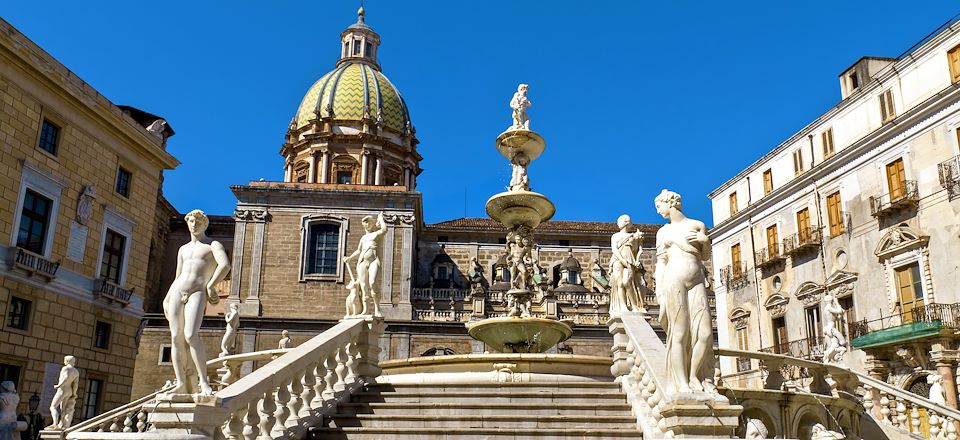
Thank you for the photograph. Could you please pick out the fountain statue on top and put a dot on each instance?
(520, 210)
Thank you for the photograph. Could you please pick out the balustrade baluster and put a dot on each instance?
(320, 386)
(353, 362)
(233, 428)
(914, 419)
(267, 419)
(885, 408)
(128, 422)
(331, 378)
(141, 421)
(296, 401)
(341, 370)
(307, 381)
(902, 415)
(116, 425)
(868, 399)
(951, 429)
(283, 396)
(251, 422)
(934, 422)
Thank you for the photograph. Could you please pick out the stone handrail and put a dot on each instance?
(887, 404)
(132, 417)
(639, 360)
(291, 393)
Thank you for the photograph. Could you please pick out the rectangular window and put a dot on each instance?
(742, 341)
(571, 278)
(780, 338)
(767, 182)
(834, 215)
(166, 355)
(18, 314)
(123, 181)
(112, 263)
(733, 203)
(798, 162)
(814, 326)
(356, 47)
(909, 290)
(772, 240)
(442, 272)
(953, 58)
(34, 220)
(803, 226)
(896, 180)
(91, 403)
(101, 335)
(10, 372)
(826, 138)
(344, 177)
(49, 137)
(323, 248)
(848, 314)
(735, 260)
(887, 110)
(854, 81)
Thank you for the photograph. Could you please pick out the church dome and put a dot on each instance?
(349, 92)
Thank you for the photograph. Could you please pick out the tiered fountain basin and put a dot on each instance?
(497, 367)
(511, 142)
(515, 208)
(520, 335)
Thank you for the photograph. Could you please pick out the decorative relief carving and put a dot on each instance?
(740, 318)
(841, 284)
(396, 219)
(899, 239)
(254, 215)
(776, 305)
(809, 293)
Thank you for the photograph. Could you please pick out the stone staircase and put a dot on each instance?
(490, 410)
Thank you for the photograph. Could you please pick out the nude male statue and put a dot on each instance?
(65, 399)
(201, 264)
(519, 104)
(368, 261)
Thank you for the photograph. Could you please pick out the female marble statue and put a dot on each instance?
(228, 345)
(835, 345)
(682, 246)
(625, 269)
(9, 399)
(820, 432)
(368, 261)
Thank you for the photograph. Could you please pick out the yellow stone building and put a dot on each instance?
(80, 178)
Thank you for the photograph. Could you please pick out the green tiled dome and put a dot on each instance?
(347, 90)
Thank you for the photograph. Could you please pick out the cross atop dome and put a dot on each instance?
(359, 42)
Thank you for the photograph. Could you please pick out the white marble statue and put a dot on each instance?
(820, 432)
(85, 202)
(519, 181)
(625, 269)
(228, 345)
(156, 128)
(10, 428)
(756, 430)
(682, 247)
(201, 264)
(835, 345)
(65, 399)
(936, 389)
(367, 256)
(519, 104)
(285, 340)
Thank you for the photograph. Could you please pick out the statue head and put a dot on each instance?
(934, 379)
(369, 223)
(666, 201)
(818, 428)
(197, 221)
(522, 88)
(70, 360)
(285, 334)
(756, 430)
(623, 221)
(8, 387)
(235, 306)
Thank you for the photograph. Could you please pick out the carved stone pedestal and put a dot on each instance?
(700, 419)
(183, 418)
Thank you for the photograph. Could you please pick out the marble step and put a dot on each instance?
(485, 409)
(468, 433)
(519, 420)
(518, 396)
(498, 387)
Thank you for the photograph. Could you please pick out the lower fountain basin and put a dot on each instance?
(514, 208)
(520, 335)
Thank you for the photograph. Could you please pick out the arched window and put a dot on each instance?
(393, 176)
(345, 170)
(439, 351)
(300, 172)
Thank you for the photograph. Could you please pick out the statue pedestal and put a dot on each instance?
(184, 416)
(699, 418)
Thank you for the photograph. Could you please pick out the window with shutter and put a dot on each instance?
(803, 226)
(887, 110)
(896, 180)
(733, 203)
(953, 58)
(798, 162)
(772, 240)
(834, 215)
(735, 260)
(826, 138)
(767, 182)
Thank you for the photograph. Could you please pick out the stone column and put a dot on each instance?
(876, 369)
(407, 182)
(251, 306)
(325, 167)
(945, 368)
(312, 172)
(288, 172)
(363, 167)
(378, 172)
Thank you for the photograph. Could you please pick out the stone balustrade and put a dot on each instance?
(638, 361)
(901, 410)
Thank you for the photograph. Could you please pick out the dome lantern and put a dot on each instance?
(359, 42)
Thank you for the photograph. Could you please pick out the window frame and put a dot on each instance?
(122, 226)
(37, 181)
(99, 396)
(734, 203)
(96, 335)
(798, 166)
(116, 182)
(28, 315)
(953, 57)
(839, 223)
(305, 223)
(768, 181)
(160, 360)
(888, 108)
(33, 216)
(44, 120)
(826, 140)
(109, 251)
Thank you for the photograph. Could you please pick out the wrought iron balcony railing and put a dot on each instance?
(950, 176)
(33, 264)
(743, 364)
(945, 315)
(904, 196)
(770, 256)
(108, 291)
(807, 240)
(806, 348)
(735, 276)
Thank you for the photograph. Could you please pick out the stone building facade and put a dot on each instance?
(351, 152)
(861, 204)
(79, 183)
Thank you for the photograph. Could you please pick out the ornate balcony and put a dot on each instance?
(431, 293)
(950, 176)
(108, 291)
(33, 264)
(917, 323)
(770, 257)
(807, 240)
(806, 348)
(906, 197)
(743, 364)
(734, 276)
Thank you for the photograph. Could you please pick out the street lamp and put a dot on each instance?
(36, 420)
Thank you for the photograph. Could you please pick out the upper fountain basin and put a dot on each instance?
(515, 208)
(511, 142)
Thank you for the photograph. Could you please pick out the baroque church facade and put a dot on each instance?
(351, 151)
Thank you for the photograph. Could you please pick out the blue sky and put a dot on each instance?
(632, 97)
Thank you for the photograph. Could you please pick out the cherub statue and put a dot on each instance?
(519, 104)
(367, 256)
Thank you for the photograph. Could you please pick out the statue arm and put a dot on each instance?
(179, 262)
(382, 223)
(223, 267)
(615, 245)
(661, 264)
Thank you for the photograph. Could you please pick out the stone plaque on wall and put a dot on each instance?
(77, 244)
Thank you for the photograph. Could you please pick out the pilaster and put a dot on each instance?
(251, 305)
